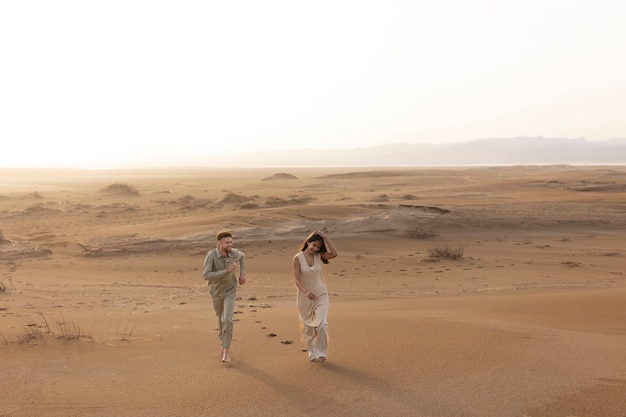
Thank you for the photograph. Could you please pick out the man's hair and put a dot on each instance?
(224, 233)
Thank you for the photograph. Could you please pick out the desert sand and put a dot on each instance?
(104, 312)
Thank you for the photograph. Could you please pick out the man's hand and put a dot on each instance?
(242, 280)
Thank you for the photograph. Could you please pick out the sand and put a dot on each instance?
(104, 312)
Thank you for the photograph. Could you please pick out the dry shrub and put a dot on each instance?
(415, 231)
(446, 252)
(120, 188)
(418, 233)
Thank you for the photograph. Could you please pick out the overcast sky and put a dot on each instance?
(117, 83)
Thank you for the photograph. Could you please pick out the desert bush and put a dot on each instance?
(415, 231)
(120, 188)
(446, 252)
(249, 206)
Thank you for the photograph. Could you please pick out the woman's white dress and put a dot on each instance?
(313, 313)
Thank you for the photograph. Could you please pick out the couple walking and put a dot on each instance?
(312, 296)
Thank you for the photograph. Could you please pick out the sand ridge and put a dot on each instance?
(529, 321)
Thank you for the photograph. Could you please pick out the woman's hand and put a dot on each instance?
(310, 295)
(321, 233)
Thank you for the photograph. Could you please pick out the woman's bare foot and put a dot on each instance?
(225, 356)
(321, 359)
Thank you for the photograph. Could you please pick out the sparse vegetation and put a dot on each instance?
(277, 201)
(35, 194)
(31, 332)
(446, 252)
(35, 330)
(68, 331)
(120, 188)
(6, 288)
(415, 231)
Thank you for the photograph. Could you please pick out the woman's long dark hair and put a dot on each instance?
(315, 238)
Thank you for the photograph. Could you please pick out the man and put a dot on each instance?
(219, 270)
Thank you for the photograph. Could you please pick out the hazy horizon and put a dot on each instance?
(122, 84)
(482, 152)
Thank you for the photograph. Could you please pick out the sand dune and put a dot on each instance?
(103, 310)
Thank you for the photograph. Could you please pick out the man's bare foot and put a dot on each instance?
(321, 359)
(225, 356)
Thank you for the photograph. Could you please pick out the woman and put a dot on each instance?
(312, 293)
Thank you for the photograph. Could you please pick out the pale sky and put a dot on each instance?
(118, 83)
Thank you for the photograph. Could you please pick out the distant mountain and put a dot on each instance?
(509, 151)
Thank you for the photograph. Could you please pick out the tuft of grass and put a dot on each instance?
(127, 330)
(31, 332)
(120, 188)
(68, 331)
(5, 288)
(34, 331)
(446, 252)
